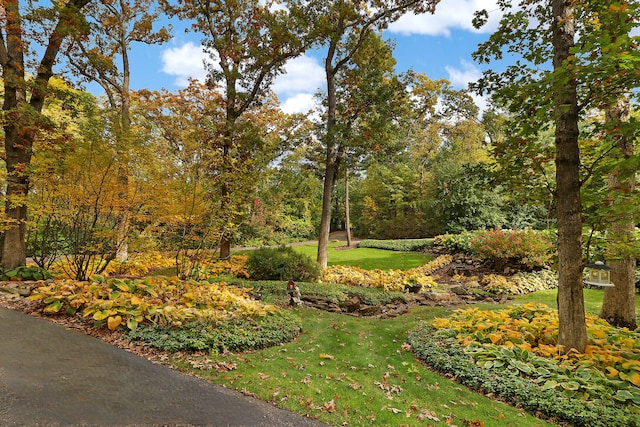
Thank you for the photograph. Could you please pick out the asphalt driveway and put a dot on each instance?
(53, 377)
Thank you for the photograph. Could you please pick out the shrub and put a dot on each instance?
(402, 245)
(456, 243)
(528, 248)
(282, 263)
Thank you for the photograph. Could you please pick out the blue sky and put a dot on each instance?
(438, 45)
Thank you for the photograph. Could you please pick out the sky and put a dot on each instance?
(439, 45)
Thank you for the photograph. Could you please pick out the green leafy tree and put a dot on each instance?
(286, 206)
(342, 28)
(556, 80)
(21, 28)
(248, 43)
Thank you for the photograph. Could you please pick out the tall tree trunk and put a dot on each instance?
(225, 191)
(346, 208)
(20, 132)
(332, 161)
(618, 307)
(124, 145)
(572, 326)
(17, 142)
(325, 221)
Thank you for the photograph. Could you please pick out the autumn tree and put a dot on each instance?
(342, 27)
(24, 96)
(188, 129)
(103, 56)
(248, 43)
(555, 80)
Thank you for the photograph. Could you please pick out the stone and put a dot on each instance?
(350, 305)
(370, 310)
(459, 290)
(440, 296)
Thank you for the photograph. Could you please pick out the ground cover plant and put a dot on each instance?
(275, 292)
(166, 301)
(389, 280)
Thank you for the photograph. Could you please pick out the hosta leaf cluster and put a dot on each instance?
(523, 340)
(520, 283)
(236, 335)
(390, 280)
(159, 300)
(445, 354)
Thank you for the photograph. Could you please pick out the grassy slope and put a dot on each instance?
(350, 371)
(353, 371)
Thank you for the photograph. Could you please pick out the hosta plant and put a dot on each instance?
(523, 340)
(159, 300)
(520, 283)
(389, 280)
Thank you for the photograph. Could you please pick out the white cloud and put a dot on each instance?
(301, 74)
(299, 103)
(449, 15)
(184, 62)
(461, 77)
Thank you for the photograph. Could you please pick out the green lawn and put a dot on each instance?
(353, 371)
(368, 258)
(592, 300)
(345, 370)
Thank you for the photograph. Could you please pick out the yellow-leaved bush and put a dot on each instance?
(142, 263)
(160, 300)
(389, 280)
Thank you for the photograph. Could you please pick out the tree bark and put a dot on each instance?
(618, 307)
(332, 160)
(17, 146)
(20, 130)
(346, 208)
(572, 334)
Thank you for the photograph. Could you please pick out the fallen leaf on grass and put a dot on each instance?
(428, 415)
(327, 356)
(329, 406)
